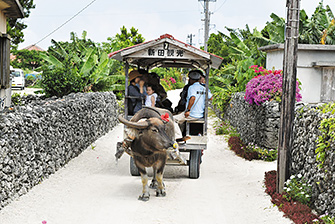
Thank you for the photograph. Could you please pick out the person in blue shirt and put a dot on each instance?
(195, 105)
(183, 97)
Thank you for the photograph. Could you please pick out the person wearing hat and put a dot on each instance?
(135, 92)
(136, 97)
(195, 104)
(183, 95)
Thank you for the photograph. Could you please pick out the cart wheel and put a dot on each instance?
(194, 167)
(133, 168)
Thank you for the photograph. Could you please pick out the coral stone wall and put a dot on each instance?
(306, 133)
(260, 125)
(39, 138)
(256, 124)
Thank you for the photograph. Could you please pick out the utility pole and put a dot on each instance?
(207, 15)
(190, 36)
(288, 98)
(207, 19)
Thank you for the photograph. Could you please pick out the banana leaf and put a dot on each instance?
(88, 62)
(52, 60)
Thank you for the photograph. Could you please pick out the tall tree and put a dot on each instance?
(217, 45)
(317, 29)
(15, 26)
(123, 39)
(119, 41)
(26, 59)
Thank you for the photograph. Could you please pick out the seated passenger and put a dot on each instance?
(162, 101)
(136, 93)
(142, 82)
(183, 97)
(150, 99)
(195, 106)
(154, 81)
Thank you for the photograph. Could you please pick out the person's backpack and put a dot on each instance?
(182, 102)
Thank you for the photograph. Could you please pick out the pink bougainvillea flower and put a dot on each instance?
(44, 222)
(266, 88)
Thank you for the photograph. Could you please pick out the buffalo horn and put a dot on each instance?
(131, 124)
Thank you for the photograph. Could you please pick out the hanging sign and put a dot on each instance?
(164, 50)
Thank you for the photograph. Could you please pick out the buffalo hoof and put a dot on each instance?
(144, 197)
(160, 193)
(154, 184)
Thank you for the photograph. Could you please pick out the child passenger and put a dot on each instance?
(150, 99)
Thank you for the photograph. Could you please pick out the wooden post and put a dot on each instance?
(288, 97)
(126, 71)
(206, 101)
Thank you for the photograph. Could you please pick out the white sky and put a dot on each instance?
(152, 18)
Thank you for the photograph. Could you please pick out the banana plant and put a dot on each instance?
(86, 61)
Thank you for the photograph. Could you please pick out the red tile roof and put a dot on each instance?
(33, 47)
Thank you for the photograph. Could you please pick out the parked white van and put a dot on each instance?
(18, 80)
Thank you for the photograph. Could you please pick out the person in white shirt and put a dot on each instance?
(150, 99)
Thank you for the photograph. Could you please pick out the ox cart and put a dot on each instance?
(165, 52)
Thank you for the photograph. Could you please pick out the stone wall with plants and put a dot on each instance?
(256, 124)
(313, 152)
(313, 155)
(42, 135)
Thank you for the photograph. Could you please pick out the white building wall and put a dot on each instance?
(311, 80)
(274, 60)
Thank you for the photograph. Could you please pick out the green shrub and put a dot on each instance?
(263, 154)
(327, 108)
(224, 128)
(61, 81)
(297, 189)
(326, 140)
(326, 219)
(16, 99)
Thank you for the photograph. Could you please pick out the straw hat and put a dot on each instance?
(134, 74)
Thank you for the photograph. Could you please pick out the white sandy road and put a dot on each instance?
(92, 189)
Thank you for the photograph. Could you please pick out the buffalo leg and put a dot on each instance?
(160, 191)
(154, 184)
(145, 188)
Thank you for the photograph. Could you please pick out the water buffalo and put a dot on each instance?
(150, 139)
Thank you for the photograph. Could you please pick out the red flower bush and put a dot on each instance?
(237, 145)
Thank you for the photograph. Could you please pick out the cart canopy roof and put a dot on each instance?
(166, 51)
